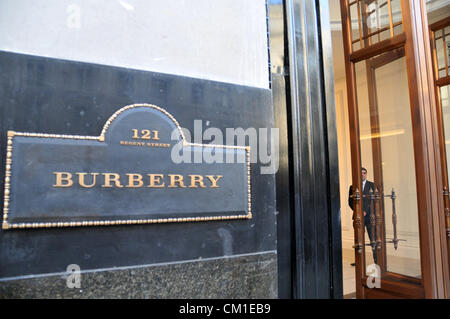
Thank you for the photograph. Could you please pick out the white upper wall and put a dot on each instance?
(220, 40)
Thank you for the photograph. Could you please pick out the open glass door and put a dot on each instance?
(389, 196)
(393, 192)
(390, 207)
(440, 46)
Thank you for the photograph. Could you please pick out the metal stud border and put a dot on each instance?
(101, 138)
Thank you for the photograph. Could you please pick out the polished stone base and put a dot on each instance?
(242, 276)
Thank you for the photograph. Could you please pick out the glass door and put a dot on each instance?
(440, 46)
(389, 194)
(393, 192)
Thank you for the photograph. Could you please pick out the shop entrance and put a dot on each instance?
(390, 161)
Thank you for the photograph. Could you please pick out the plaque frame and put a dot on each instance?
(101, 138)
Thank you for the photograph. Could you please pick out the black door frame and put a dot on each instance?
(308, 203)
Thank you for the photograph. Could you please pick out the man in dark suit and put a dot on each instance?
(368, 189)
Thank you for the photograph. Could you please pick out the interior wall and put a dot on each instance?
(445, 90)
(345, 175)
(343, 132)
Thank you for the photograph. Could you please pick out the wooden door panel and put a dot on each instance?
(438, 41)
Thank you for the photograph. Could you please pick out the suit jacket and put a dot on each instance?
(369, 186)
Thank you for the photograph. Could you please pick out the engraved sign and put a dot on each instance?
(124, 176)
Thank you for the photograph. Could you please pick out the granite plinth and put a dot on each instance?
(244, 276)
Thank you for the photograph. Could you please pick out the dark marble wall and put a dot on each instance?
(46, 95)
